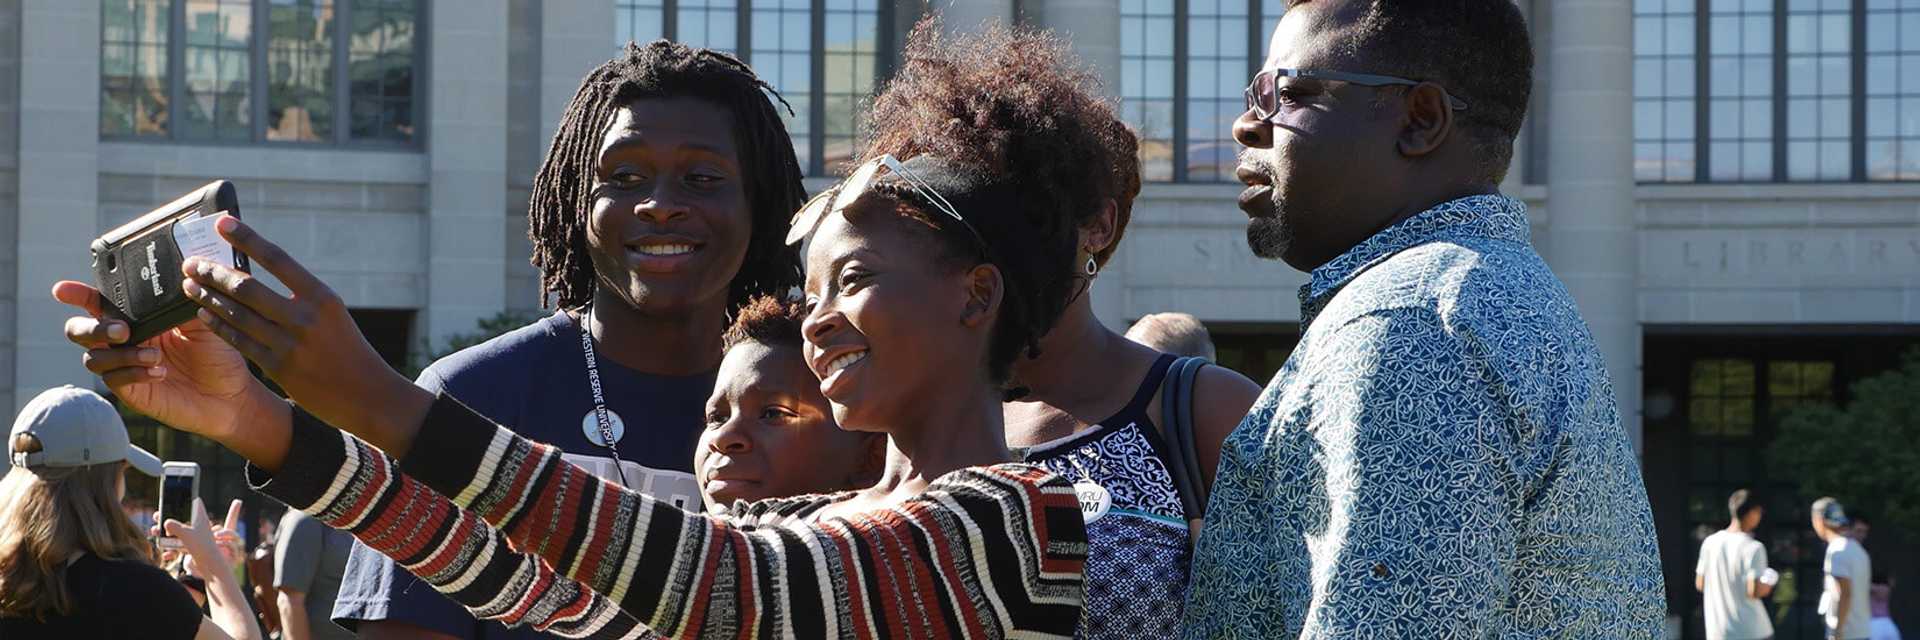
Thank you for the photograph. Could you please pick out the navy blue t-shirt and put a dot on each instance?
(534, 381)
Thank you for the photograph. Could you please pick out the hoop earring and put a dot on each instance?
(1092, 268)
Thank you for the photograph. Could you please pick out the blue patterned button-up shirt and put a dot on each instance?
(1440, 458)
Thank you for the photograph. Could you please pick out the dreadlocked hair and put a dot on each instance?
(1016, 105)
(562, 197)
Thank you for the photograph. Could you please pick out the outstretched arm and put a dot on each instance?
(997, 551)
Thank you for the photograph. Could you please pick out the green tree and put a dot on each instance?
(1862, 453)
(484, 330)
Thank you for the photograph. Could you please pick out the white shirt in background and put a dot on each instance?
(1847, 559)
(1728, 561)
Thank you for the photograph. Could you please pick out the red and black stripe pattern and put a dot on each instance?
(986, 552)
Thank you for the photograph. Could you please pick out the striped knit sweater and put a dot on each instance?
(986, 552)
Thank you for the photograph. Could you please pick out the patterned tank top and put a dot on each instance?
(1137, 550)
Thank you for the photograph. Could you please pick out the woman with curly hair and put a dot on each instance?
(1091, 409)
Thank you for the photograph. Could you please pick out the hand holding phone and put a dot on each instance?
(179, 488)
(136, 267)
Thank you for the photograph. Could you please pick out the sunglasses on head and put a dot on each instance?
(1263, 93)
(850, 190)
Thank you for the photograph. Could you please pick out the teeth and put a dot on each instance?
(845, 361)
(664, 249)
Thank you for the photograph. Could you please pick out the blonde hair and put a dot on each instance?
(1176, 333)
(48, 515)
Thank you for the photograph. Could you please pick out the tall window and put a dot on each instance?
(824, 57)
(134, 94)
(638, 21)
(1219, 65)
(380, 68)
(713, 24)
(782, 54)
(1146, 81)
(297, 71)
(1792, 91)
(1893, 90)
(1183, 66)
(852, 28)
(1740, 93)
(1819, 88)
(1663, 90)
(219, 37)
(300, 70)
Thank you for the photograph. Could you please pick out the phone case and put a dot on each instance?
(137, 266)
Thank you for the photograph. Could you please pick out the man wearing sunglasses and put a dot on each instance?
(1441, 457)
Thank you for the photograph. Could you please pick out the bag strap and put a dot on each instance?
(1176, 411)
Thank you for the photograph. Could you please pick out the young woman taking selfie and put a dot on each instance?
(913, 325)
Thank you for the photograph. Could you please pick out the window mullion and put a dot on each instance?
(1702, 99)
(670, 19)
(817, 88)
(1256, 48)
(342, 95)
(1779, 90)
(743, 31)
(1857, 104)
(176, 66)
(257, 76)
(1180, 90)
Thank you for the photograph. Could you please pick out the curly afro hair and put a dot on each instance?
(1017, 103)
(769, 320)
(1014, 105)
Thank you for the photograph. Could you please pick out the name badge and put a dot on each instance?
(1094, 500)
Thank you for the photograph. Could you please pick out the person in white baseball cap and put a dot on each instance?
(73, 427)
(71, 564)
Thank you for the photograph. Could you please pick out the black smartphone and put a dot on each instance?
(137, 266)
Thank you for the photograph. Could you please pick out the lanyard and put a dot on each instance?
(599, 399)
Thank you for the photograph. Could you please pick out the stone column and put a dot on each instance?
(467, 156)
(1591, 235)
(58, 178)
(575, 37)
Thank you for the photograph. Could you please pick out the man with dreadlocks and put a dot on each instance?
(662, 206)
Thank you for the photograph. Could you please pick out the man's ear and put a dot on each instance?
(1096, 234)
(985, 291)
(1429, 120)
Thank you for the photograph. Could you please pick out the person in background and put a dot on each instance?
(259, 563)
(71, 563)
(1441, 456)
(660, 208)
(1173, 332)
(770, 434)
(193, 584)
(1733, 575)
(1881, 598)
(1089, 401)
(1845, 605)
(309, 559)
(139, 511)
(1860, 528)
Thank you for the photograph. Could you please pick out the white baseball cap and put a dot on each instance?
(76, 427)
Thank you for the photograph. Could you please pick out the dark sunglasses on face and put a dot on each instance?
(1263, 93)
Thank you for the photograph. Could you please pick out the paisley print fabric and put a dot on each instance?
(1441, 457)
(1125, 463)
(1137, 554)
